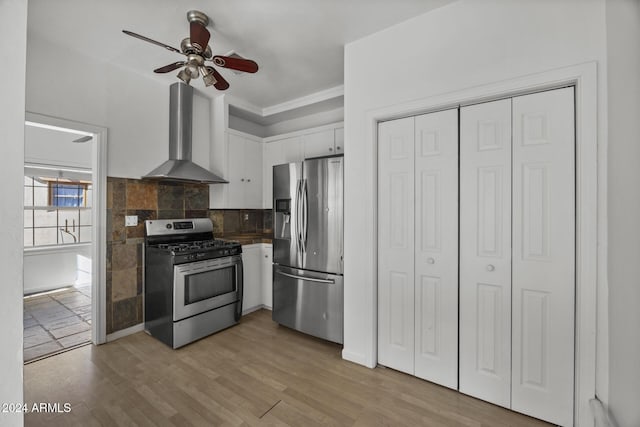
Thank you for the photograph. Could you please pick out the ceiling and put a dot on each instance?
(298, 44)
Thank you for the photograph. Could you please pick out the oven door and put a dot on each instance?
(204, 285)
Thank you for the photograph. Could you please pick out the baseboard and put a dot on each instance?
(358, 358)
(255, 308)
(601, 416)
(124, 332)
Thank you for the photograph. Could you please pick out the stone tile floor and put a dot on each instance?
(56, 321)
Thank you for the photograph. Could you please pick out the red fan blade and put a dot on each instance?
(199, 35)
(221, 83)
(170, 67)
(147, 39)
(240, 64)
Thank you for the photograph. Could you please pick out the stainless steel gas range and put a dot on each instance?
(192, 282)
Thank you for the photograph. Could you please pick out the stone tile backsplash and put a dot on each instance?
(241, 221)
(157, 200)
(147, 200)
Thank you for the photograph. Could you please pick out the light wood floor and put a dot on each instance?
(256, 373)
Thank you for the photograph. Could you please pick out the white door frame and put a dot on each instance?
(98, 216)
(590, 206)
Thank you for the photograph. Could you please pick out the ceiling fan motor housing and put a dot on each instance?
(197, 16)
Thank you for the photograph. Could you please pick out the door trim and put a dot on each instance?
(98, 217)
(591, 314)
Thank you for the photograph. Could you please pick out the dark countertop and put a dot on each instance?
(248, 238)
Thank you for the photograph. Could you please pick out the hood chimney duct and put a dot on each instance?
(179, 167)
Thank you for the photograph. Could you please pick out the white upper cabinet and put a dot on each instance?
(338, 134)
(277, 152)
(244, 190)
(324, 143)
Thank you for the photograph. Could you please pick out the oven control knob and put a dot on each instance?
(169, 226)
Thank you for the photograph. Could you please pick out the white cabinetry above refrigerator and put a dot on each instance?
(324, 143)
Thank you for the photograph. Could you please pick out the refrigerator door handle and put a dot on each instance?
(297, 214)
(307, 279)
(305, 214)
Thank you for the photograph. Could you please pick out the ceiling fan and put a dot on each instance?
(197, 52)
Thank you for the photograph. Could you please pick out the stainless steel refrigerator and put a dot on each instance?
(308, 247)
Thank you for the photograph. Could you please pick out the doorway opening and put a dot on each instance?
(62, 240)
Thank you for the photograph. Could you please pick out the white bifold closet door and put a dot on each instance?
(517, 253)
(418, 246)
(396, 244)
(485, 251)
(544, 224)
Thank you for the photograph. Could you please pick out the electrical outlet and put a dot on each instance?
(131, 220)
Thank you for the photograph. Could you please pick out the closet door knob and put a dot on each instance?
(490, 267)
(431, 260)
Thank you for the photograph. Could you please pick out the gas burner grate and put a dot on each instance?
(195, 245)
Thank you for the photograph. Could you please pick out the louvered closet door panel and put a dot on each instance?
(485, 251)
(395, 244)
(436, 247)
(544, 255)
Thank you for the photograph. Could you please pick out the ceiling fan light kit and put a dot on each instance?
(197, 50)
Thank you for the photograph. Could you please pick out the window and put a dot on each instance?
(57, 209)
(71, 194)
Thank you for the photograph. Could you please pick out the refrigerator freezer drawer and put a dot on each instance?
(309, 302)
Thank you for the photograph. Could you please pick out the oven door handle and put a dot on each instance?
(240, 287)
(308, 279)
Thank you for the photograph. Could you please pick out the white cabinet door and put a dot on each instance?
(235, 158)
(544, 255)
(244, 157)
(396, 244)
(436, 247)
(267, 275)
(276, 153)
(485, 251)
(252, 291)
(292, 150)
(339, 140)
(319, 144)
(252, 167)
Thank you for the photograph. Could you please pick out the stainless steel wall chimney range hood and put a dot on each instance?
(179, 167)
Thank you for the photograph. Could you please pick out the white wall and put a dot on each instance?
(134, 108)
(246, 126)
(55, 268)
(459, 46)
(53, 147)
(623, 65)
(305, 122)
(13, 32)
